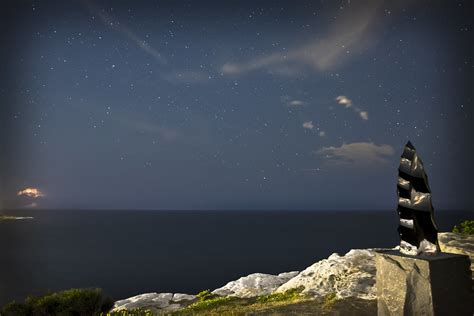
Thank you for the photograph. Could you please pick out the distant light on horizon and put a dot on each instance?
(31, 192)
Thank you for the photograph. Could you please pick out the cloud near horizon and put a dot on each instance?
(31, 192)
(358, 154)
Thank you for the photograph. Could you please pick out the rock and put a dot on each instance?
(255, 284)
(155, 302)
(423, 285)
(351, 275)
(462, 244)
(178, 297)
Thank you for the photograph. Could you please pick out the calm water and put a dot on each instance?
(132, 252)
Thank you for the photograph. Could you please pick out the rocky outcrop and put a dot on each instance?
(351, 275)
(422, 285)
(155, 302)
(462, 244)
(255, 284)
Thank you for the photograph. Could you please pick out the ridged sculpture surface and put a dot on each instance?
(417, 229)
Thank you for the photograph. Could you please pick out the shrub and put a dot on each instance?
(206, 295)
(77, 302)
(15, 308)
(466, 227)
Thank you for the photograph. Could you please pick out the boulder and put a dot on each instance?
(462, 244)
(255, 284)
(155, 302)
(351, 275)
(423, 285)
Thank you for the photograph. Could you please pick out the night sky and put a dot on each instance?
(232, 105)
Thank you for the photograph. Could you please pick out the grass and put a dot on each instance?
(134, 312)
(290, 305)
(287, 296)
(291, 302)
(206, 300)
(210, 303)
(329, 301)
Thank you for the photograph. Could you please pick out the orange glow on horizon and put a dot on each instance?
(31, 192)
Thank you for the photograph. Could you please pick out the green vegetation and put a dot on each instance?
(77, 302)
(466, 227)
(211, 304)
(287, 296)
(291, 303)
(329, 300)
(135, 312)
(85, 302)
(205, 295)
(208, 300)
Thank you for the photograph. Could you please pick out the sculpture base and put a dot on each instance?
(423, 285)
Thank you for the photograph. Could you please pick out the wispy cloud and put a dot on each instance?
(31, 192)
(344, 101)
(364, 115)
(308, 125)
(347, 103)
(358, 154)
(350, 34)
(289, 101)
(111, 22)
(165, 133)
(296, 103)
(187, 77)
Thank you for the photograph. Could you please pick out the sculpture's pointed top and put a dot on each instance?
(409, 145)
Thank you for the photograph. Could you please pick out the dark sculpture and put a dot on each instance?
(417, 229)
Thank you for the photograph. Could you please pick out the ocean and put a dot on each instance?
(132, 252)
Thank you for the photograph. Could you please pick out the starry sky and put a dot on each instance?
(187, 105)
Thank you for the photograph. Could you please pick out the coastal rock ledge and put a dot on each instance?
(156, 302)
(352, 275)
(255, 284)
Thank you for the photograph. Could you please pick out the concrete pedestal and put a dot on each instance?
(423, 285)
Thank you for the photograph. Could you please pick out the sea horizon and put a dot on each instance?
(178, 251)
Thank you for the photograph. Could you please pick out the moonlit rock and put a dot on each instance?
(462, 244)
(255, 284)
(178, 297)
(351, 275)
(153, 301)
